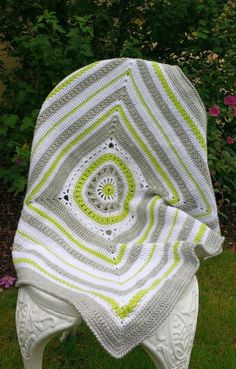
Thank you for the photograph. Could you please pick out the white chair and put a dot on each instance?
(57, 272)
(40, 317)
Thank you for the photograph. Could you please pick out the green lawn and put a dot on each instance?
(214, 345)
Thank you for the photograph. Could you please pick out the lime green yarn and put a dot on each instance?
(121, 311)
(179, 106)
(108, 189)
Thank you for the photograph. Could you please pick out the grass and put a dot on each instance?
(214, 345)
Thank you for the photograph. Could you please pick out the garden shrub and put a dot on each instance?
(52, 39)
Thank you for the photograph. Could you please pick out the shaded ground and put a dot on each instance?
(10, 208)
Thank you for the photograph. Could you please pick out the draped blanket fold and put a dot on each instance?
(119, 208)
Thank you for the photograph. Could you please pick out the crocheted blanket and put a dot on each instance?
(119, 206)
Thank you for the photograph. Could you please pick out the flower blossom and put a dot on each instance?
(214, 111)
(230, 100)
(230, 140)
(7, 281)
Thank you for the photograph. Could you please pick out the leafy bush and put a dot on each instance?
(46, 52)
(53, 38)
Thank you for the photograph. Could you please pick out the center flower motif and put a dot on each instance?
(104, 190)
(104, 187)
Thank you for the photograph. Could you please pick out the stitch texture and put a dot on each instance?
(119, 207)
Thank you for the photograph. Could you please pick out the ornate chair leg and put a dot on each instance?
(171, 346)
(36, 325)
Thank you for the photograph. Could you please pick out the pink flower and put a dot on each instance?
(214, 111)
(230, 140)
(230, 100)
(7, 281)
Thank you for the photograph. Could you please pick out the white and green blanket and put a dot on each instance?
(119, 206)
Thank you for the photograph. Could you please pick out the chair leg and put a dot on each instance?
(171, 346)
(36, 325)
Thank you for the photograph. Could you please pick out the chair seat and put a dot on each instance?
(51, 302)
(63, 307)
(169, 347)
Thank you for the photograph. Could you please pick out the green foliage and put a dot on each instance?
(211, 66)
(51, 39)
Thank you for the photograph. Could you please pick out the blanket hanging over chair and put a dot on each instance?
(119, 206)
